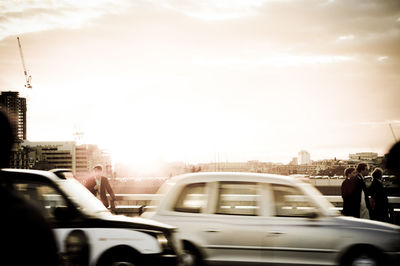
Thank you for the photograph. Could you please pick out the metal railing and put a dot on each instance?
(135, 204)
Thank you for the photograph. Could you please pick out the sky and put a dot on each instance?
(208, 80)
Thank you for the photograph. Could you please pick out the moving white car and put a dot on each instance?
(263, 219)
(86, 231)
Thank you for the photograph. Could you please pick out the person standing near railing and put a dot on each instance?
(379, 200)
(351, 206)
(365, 207)
(354, 192)
(99, 186)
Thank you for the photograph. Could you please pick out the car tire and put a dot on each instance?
(118, 259)
(192, 255)
(364, 257)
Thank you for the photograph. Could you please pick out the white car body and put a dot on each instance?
(80, 220)
(263, 219)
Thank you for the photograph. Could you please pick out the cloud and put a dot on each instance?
(216, 10)
(18, 17)
(278, 60)
(345, 38)
(382, 58)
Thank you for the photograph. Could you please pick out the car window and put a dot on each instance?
(192, 198)
(237, 198)
(291, 202)
(43, 196)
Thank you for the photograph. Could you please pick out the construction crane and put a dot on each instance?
(27, 77)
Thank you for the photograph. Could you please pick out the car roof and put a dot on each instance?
(232, 176)
(52, 175)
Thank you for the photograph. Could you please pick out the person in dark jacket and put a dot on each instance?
(379, 200)
(393, 160)
(362, 191)
(26, 236)
(99, 185)
(354, 192)
(350, 199)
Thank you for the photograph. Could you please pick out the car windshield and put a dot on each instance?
(82, 197)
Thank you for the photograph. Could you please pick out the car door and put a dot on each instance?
(298, 234)
(54, 207)
(235, 231)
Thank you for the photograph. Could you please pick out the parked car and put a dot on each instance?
(263, 219)
(86, 231)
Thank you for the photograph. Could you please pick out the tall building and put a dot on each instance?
(90, 155)
(52, 154)
(82, 159)
(15, 107)
(304, 158)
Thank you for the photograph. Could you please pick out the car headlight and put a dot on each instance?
(163, 241)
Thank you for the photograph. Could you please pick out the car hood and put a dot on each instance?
(352, 222)
(121, 221)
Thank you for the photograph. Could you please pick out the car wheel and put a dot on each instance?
(123, 263)
(366, 257)
(192, 256)
(119, 260)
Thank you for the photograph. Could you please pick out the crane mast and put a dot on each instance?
(27, 77)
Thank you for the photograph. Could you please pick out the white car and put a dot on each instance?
(86, 232)
(262, 219)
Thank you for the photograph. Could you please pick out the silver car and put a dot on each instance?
(263, 219)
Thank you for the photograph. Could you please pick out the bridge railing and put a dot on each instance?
(135, 204)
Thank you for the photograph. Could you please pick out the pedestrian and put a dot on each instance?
(355, 193)
(99, 186)
(350, 206)
(393, 160)
(26, 236)
(362, 191)
(392, 164)
(379, 201)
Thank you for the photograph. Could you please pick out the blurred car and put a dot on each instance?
(86, 232)
(263, 219)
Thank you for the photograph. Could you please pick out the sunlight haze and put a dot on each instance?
(193, 81)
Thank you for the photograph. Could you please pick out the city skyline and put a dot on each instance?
(201, 81)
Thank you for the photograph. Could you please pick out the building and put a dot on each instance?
(60, 154)
(52, 154)
(90, 155)
(293, 161)
(81, 159)
(15, 107)
(304, 158)
(363, 156)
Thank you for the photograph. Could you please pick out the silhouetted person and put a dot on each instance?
(393, 166)
(393, 160)
(362, 191)
(26, 237)
(351, 205)
(99, 186)
(379, 200)
(355, 193)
